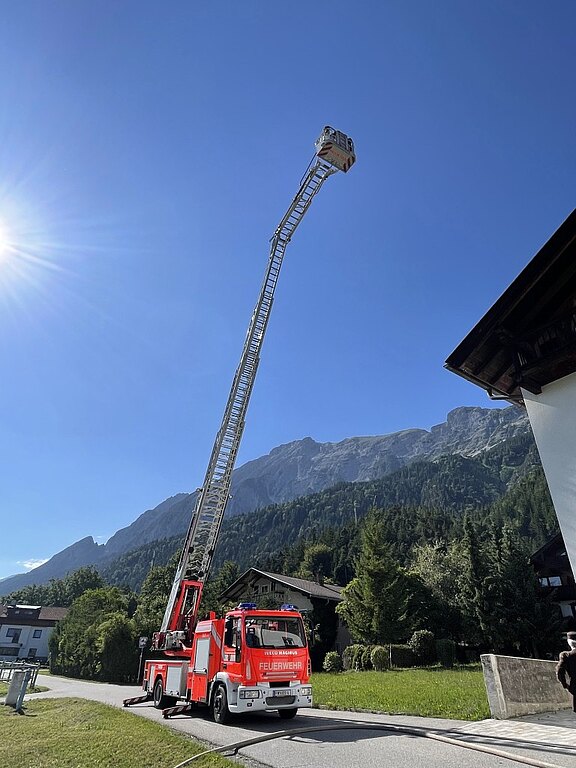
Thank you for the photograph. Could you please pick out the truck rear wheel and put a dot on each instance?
(161, 701)
(220, 711)
(288, 714)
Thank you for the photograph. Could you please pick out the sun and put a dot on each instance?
(4, 241)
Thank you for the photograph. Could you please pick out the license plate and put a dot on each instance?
(281, 692)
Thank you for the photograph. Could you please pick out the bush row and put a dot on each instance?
(420, 651)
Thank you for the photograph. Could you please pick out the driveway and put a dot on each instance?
(549, 740)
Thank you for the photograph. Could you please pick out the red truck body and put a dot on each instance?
(251, 660)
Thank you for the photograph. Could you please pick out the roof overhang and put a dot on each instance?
(528, 338)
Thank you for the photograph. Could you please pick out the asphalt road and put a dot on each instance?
(347, 747)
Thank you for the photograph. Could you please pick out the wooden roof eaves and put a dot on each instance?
(493, 323)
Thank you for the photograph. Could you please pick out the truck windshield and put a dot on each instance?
(274, 632)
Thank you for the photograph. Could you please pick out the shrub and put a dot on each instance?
(423, 644)
(366, 658)
(357, 658)
(446, 652)
(348, 656)
(402, 656)
(380, 658)
(332, 662)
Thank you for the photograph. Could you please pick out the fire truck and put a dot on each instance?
(250, 660)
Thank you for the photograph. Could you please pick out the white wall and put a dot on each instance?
(552, 416)
(282, 593)
(26, 640)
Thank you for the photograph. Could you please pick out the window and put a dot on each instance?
(37, 633)
(32, 653)
(274, 632)
(14, 634)
(263, 589)
(551, 581)
(202, 655)
(7, 651)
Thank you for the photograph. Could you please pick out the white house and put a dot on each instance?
(25, 629)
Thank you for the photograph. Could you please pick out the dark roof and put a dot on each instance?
(306, 587)
(550, 547)
(528, 338)
(49, 613)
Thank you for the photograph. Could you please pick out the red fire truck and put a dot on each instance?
(247, 662)
(251, 660)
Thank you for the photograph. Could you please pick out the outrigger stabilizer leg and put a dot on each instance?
(137, 700)
(179, 709)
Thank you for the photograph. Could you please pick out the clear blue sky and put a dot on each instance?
(147, 152)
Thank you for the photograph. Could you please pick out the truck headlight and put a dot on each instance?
(253, 693)
(305, 690)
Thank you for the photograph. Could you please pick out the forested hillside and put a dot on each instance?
(454, 561)
(305, 467)
(423, 502)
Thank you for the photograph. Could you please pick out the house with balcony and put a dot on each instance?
(25, 630)
(554, 573)
(316, 600)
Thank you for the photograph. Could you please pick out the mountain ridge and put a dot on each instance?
(295, 469)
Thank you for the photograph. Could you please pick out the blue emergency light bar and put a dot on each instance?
(288, 607)
(247, 607)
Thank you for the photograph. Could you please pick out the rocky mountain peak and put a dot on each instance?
(298, 468)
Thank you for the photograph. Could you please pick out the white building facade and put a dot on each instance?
(25, 631)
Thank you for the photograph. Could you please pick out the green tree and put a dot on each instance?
(317, 562)
(116, 649)
(34, 594)
(518, 619)
(212, 592)
(76, 583)
(375, 603)
(471, 593)
(153, 598)
(438, 566)
(74, 644)
(60, 592)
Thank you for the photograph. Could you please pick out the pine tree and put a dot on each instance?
(375, 604)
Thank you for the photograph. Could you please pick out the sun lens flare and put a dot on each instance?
(4, 241)
(30, 258)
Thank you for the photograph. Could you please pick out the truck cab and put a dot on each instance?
(265, 663)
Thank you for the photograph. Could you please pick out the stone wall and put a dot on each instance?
(518, 686)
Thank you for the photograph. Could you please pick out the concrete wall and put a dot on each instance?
(518, 687)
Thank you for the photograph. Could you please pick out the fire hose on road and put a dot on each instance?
(233, 748)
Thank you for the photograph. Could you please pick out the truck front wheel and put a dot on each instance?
(220, 710)
(160, 700)
(287, 714)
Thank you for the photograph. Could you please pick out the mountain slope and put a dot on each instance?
(298, 469)
(424, 501)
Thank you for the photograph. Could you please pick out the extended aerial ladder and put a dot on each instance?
(334, 152)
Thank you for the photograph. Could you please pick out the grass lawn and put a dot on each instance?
(457, 694)
(74, 733)
(36, 689)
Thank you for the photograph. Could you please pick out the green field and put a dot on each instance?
(36, 689)
(457, 694)
(74, 733)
